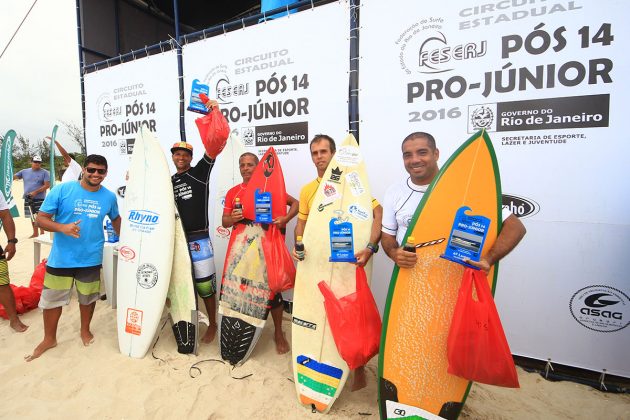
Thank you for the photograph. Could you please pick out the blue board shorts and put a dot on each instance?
(202, 255)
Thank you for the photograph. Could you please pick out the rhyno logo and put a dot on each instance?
(601, 308)
(521, 207)
(143, 217)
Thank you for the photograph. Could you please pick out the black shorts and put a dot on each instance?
(31, 207)
(276, 301)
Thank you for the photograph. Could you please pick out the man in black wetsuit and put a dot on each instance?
(190, 186)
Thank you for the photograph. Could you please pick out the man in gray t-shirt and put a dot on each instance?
(36, 182)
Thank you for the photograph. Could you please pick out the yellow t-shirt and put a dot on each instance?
(307, 195)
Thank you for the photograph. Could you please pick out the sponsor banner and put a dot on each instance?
(120, 100)
(276, 135)
(6, 172)
(541, 115)
(521, 207)
(546, 80)
(274, 88)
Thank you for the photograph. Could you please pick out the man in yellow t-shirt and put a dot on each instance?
(322, 151)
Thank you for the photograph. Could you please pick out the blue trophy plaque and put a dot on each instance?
(468, 235)
(341, 242)
(196, 104)
(262, 202)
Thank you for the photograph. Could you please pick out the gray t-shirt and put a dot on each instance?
(34, 180)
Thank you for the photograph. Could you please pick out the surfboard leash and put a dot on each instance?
(155, 344)
(197, 369)
(194, 366)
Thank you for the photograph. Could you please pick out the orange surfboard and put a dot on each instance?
(413, 378)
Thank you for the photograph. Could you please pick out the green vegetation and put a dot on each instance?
(24, 150)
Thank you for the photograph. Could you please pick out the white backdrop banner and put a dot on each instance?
(278, 83)
(118, 100)
(548, 80)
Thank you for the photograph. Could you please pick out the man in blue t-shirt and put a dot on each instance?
(36, 182)
(78, 209)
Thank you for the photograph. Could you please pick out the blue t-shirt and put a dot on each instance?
(34, 180)
(69, 202)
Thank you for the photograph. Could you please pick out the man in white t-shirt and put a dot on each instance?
(73, 170)
(420, 156)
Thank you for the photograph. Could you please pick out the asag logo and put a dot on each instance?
(601, 308)
(520, 207)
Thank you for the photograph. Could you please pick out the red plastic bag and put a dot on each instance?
(214, 131)
(280, 268)
(27, 298)
(477, 349)
(354, 321)
(37, 279)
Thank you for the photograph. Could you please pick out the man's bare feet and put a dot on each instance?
(210, 333)
(282, 345)
(87, 338)
(18, 326)
(40, 349)
(32, 236)
(359, 379)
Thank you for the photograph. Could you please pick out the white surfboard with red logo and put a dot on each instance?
(224, 176)
(145, 254)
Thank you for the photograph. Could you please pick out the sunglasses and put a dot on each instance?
(92, 170)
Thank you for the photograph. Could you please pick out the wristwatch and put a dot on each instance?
(13, 241)
(372, 247)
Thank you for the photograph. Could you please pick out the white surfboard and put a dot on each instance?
(146, 246)
(224, 176)
(181, 296)
(108, 273)
(319, 371)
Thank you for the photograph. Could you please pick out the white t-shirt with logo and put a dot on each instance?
(73, 172)
(400, 204)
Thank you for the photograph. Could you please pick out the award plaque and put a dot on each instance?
(196, 104)
(341, 243)
(262, 207)
(468, 235)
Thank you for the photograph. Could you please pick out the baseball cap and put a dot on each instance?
(37, 158)
(182, 145)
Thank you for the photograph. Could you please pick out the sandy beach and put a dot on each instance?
(97, 382)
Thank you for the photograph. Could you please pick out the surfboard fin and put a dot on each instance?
(450, 410)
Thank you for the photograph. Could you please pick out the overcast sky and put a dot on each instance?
(39, 72)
